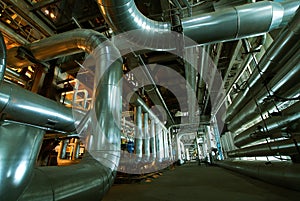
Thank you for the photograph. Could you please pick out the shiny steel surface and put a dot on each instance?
(284, 174)
(282, 147)
(283, 47)
(19, 148)
(123, 15)
(289, 115)
(146, 137)
(228, 24)
(20, 105)
(138, 138)
(284, 80)
(90, 179)
(152, 140)
(2, 58)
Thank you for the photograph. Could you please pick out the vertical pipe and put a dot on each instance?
(158, 138)
(2, 58)
(146, 137)
(19, 148)
(139, 134)
(152, 140)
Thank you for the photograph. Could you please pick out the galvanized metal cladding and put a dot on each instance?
(255, 124)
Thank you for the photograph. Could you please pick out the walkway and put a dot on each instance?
(200, 183)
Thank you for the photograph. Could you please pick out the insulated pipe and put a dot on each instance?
(138, 139)
(288, 116)
(90, 179)
(2, 58)
(146, 137)
(279, 173)
(228, 24)
(152, 140)
(284, 46)
(284, 79)
(280, 147)
(19, 149)
(20, 105)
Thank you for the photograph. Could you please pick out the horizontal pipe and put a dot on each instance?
(281, 147)
(227, 24)
(284, 46)
(20, 105)
(283, 80)
(283, 174)
(288, 116)
(88, 180)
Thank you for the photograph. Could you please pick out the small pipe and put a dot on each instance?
(2, 58)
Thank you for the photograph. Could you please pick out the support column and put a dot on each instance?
(152, 140)
(138, 141)
(146, 137)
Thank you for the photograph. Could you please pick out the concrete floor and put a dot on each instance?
(192, 182)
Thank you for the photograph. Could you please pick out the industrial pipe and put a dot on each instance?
(138, 138)
(152, 140)
(95, 176)
(284, 174)
(284, 46)
(286, 147)
(123, 16)
(146, 137)
(19, 149)
(265, 129)
(20, 105)
(284, 79)
(2, 58)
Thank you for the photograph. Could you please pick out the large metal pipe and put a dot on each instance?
(284, 46)
(228, 24)
(2, 58)
(271, 124)
(283, 174)
(284, 79)
(286, 147)
(20, 105)
(99, 175)
(19, 148)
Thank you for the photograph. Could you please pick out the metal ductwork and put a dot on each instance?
(284, 46)
(265, 129)
(91, 178)
(224, 25)
(284, 80)
(283, 174)
(286, 147)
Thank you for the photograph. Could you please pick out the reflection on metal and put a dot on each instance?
(138, 133)
(284, 80)
(146, 137)
(278, 53)
(270, 125)
(280, 147)
(88, 180)
(234, 22)
(19, 148)
(284, 174)
(152, 140)
(20, 105)
(2, 58)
